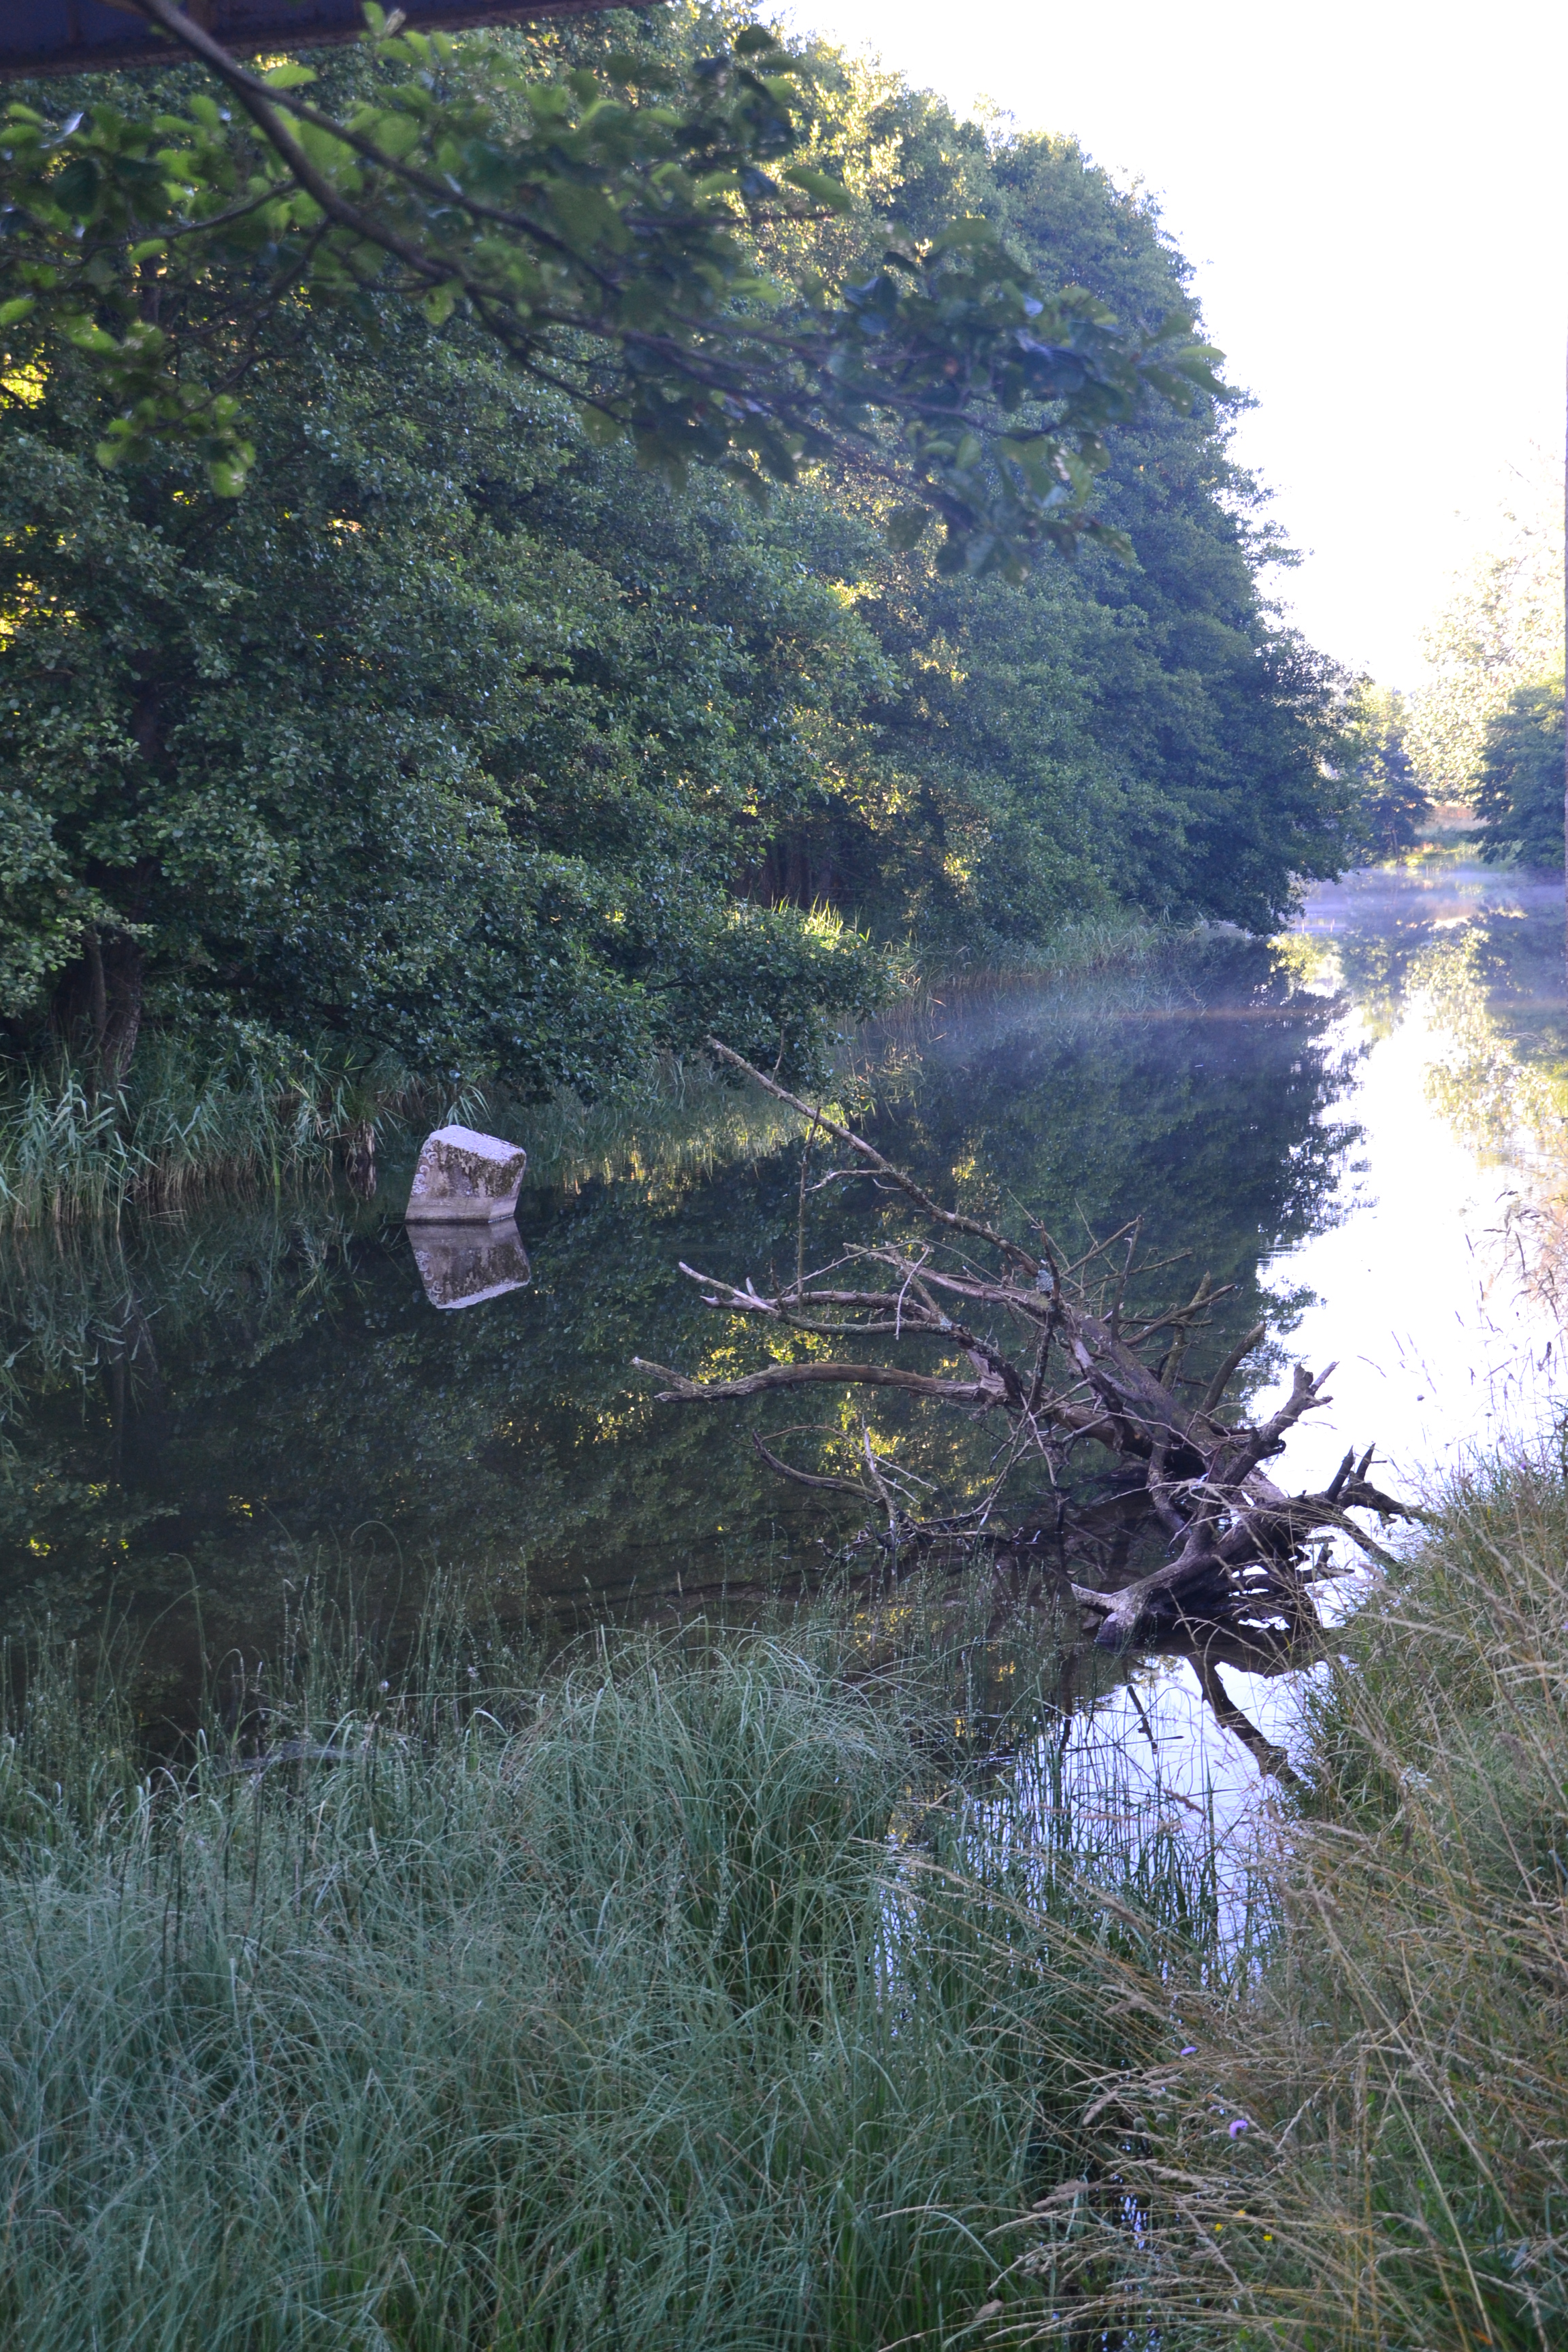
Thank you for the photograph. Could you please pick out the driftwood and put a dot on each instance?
(1052, 1346)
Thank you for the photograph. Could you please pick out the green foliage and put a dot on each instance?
(354, 758)
(607, 223)
(1394, 807)
(1500, 627)
(1107, 733)
(461, 740)
(1519, 795)
(689, 1993)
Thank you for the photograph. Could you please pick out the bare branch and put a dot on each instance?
(1272, 1760)
(819, 1375)
(949, 1218)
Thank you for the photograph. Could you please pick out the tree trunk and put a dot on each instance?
(117, 966)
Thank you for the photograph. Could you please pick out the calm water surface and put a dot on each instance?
(1360, 1131)
(1436, 1276)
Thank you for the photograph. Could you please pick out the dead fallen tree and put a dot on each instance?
(1052, 1345)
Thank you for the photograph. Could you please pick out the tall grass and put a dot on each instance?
(694, 1992)
(187, 1122)
(1367, 2151)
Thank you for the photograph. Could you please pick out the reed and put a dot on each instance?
(189, 1122)
(708, 1991)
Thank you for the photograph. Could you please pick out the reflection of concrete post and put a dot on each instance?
(464, 1178)
(459, 1264)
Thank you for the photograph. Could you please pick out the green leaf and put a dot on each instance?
(89, 338)
(290, 74)
(398, 134)
(17, 309)
(601, 429)
(75, 189)
(226, 476)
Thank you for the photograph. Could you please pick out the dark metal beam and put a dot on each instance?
(50, 37)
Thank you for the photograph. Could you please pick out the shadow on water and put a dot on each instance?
(199, 1413)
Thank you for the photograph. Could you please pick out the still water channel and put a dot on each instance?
(1359, 1129)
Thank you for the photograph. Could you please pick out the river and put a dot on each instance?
(1357, 1129)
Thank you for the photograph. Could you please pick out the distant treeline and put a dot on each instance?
(1487, 726)
(459, 741)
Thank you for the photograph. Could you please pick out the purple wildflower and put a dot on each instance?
(1240, 2125)
(1190, 2051)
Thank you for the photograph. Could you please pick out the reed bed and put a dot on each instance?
(187, 1124)
(1366, 2148)
(692, 1992)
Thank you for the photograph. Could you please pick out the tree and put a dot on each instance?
(462, 737)
(1500, 628)
(1394, 806)
(605, 224)
(361, 758)
(1120, 731)
(1520, 790)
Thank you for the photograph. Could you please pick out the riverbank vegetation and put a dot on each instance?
(186, 1120)
(710, 1989)
(190, 1122)
(793, 1987)
(460, 740)
(1368, 2146)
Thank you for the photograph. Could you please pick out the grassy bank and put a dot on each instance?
(1368, 2152)
(697, 1993)
(720, 1990)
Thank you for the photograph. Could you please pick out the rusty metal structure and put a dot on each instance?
(53, 37)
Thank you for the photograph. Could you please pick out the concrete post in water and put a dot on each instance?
(465, 1177)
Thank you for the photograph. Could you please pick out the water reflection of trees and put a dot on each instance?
(210, 1407)
(1487, 990)
(1491, 994)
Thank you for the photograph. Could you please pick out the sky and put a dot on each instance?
(1372, 197)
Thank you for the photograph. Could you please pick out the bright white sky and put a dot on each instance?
(1373, 194)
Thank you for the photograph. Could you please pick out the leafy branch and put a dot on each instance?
(609, 228)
